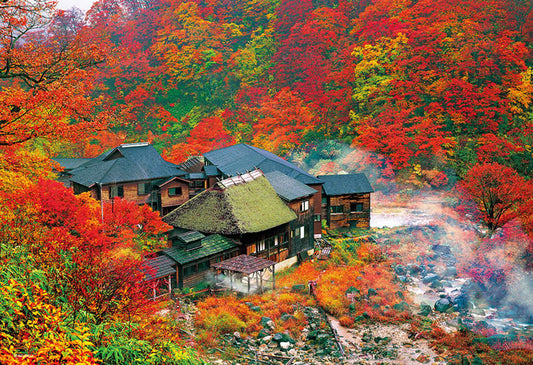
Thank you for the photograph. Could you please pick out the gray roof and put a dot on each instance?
(128, 162)
(346, 184)
(211, 170)
(70, 163)
(158, 267)
(241, 158)
(288, 188)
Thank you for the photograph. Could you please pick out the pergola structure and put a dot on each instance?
(245, 266)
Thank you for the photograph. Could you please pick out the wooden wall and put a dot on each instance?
(349, 218)
(171, 201)
(316, 202)
(200, 276)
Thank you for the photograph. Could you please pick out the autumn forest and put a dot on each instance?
(425, 97)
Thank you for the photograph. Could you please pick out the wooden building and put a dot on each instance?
(346, 200)
(300, 198)
(194, 253)
(246, 209)
(241, 158)
(135, 172)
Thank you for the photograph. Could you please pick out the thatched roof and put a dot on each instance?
(248, 206)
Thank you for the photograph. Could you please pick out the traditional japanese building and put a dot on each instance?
(135, 172)
(249, 211)
(346, 200)
(241, 158)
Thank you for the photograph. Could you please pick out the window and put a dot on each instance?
(304, 206)
(356, 207)
(116, 191)
(336, 209)
(317, 218)
(198, 183)
(143, 188)
(324, 200)
(174, 191)
(203, 266)
(261, 246)
(302, 231)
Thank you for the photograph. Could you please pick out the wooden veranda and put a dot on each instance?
(244, 269)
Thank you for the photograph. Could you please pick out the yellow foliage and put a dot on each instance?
(521, 95)
(34, 331)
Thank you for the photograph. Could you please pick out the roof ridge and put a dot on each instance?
(107, 171)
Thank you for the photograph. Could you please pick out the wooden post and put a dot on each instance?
(170, 285)
(261, 279)
(231, 281)
(273, 277)
(248, 277)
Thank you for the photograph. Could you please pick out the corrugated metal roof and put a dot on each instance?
(241, 158)
(196, 176)
(134, 162)
(346, 184)
(211, 245)
(288, 188)
(211, 170)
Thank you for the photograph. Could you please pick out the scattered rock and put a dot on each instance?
(285, 346)
(442, 305)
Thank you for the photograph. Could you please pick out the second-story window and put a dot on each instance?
(116, 191)
(356, 207)
(143, 188)
(174, 191)
(336, 209)
(304, 206)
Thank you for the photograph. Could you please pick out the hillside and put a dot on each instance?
(432, 100)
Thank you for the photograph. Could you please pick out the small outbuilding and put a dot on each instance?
(245, 270)
(346, 200)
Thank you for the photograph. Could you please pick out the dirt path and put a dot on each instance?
(383, 343)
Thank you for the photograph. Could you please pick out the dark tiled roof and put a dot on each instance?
(211, 245)
(248, 206)
(130, 162)
(70, 163)
(241, 158)
(346, 184)
(244, 264)
(158, 267)
(288, 188)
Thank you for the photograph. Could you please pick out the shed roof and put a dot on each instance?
(244, 264)
(346, 184)
(288, 188)
(248, 206)
(240, 158)
(158, 267)
(128, 162)
(70, 163)
(211, 245)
